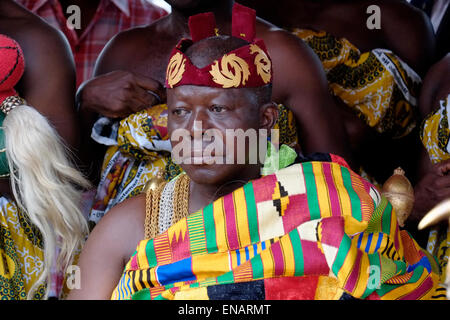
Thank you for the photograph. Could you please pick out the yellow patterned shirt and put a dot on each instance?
(21, 254)
(435, 132)
(377, 85)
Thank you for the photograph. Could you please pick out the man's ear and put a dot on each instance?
(268, 116)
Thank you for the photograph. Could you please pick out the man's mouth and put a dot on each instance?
(202, 157)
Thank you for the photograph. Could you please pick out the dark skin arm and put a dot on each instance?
(115, 91)
(48, 83)
(108, 249)
(432, 188)
(436, 86)
(434, 182)
(413, 39)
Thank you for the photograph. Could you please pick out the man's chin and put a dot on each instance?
(219, 174)
(206, 173)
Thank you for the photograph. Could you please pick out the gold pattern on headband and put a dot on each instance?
(175, 69)
(262, 63)
(232, 72)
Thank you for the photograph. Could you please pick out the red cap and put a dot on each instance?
(246, 67)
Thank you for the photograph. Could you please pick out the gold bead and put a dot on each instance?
(154, 182)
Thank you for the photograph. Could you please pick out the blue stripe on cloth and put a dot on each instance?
(119, 289)
(247, 254)
(175, 272)
(122, 288)
(127, 288)
(424, 262)
(380, 240)
(360, 240)
(238, 257)
(369, 242)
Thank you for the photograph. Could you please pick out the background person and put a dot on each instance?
(100, 20)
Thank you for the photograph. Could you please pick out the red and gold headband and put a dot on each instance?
(246, 67)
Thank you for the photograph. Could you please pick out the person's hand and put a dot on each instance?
(432, 188)
(120, 93)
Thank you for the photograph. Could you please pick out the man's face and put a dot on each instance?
(207, 118)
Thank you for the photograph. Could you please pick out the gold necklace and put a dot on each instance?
(153, 200)
(181, 198)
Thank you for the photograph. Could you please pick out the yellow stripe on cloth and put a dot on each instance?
(328, 289)
(211, 265)
(142, 258)
(288, 254)
(344, 198)
(240, 208)
(219, 219)
(192, 294)
(268, 264)
(363, 278)
(322, 190)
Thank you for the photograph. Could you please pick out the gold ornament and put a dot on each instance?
(154, 182)
(400, 193)
(232, 72)
(262, 63)
(175, 69)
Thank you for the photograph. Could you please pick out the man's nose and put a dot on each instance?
(199, 123)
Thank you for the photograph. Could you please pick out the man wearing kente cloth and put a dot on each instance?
(309, 230)
(135, 61)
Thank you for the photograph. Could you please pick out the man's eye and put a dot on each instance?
(218, 109)
(179, 112)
